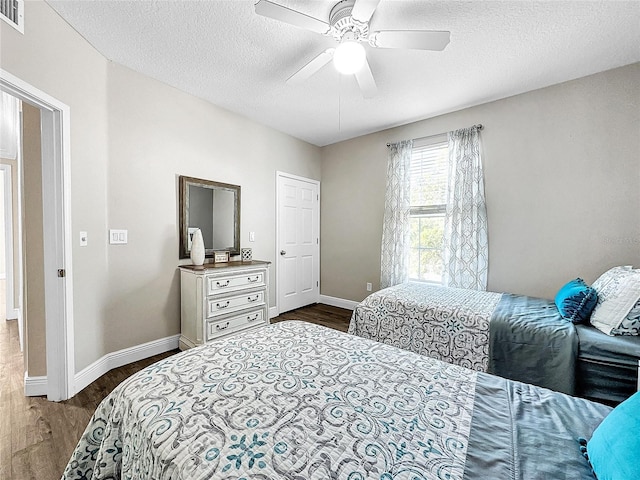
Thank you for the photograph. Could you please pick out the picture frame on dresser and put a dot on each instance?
(221, 256)
(220, 299)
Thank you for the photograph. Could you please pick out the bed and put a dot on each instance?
(608, 367)
(299, 401)
(514, 336)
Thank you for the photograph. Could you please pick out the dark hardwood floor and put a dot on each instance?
(326, 315)
(37, 437)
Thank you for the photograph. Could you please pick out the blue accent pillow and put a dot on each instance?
(576, 300)
(614, 448)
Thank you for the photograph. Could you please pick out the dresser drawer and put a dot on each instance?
(233, 282)
(217, 328)
(223, 306)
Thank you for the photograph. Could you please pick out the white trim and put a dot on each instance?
(12, 310)
(273, 312)
(338, 302)
(280, 174)
(56, 193)
(14, 314)
(35, 386)
(122, 357)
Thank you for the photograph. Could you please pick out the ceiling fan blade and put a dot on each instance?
(312, 67)
(363, 9)
(412, 39)
(365, 80)
(292, 17)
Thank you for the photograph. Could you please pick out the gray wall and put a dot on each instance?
(131, 137)
(562, 169)
(33, 312)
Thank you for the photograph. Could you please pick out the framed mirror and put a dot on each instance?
(214, 208)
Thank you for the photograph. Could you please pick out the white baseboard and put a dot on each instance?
(123, 357)
(35, 386)
(13, 314)
(338, 302)
(327, 300)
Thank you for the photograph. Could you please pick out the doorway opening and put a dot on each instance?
(56, 239)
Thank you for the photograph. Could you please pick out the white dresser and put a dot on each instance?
(222, 298)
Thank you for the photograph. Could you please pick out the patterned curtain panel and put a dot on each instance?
(395, 227)
(466, 250)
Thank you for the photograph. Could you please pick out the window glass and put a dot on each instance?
(429, 177)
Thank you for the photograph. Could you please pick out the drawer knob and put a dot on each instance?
(254, 318)
(222, 285)
(253, 299)
(218, 327)
(253, 279)
(221, 306)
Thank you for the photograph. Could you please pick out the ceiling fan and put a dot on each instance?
(349, 25)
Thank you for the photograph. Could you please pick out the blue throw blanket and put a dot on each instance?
(529, 341)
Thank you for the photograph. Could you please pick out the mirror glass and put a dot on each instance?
(214, 208)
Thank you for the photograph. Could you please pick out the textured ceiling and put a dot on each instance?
(222, 51)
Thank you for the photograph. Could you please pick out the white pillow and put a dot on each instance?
(618, 309)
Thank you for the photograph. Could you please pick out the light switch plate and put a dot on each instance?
(118, 237)
(252, 236)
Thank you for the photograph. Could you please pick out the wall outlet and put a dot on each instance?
(83, 239)
(369, 286)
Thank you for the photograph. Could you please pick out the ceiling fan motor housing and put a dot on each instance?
(343, 23)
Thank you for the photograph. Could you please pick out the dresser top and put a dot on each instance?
(224, 266)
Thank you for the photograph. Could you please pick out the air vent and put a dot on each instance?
(12, 12)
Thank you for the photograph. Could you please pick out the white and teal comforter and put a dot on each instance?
(449, 324)
(291, 400)
(300, 401)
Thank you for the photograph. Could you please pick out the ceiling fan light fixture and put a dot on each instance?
(349, 57)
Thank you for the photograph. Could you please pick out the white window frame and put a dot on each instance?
(431, 210)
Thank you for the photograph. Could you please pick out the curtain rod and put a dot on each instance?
(479, 126)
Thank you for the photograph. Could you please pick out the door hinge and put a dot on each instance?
(317, 284)
(61, 272)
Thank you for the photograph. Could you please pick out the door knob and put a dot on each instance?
(282, 252)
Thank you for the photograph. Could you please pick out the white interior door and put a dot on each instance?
(298, 242)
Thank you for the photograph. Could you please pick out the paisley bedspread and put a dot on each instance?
(449, 324)
(288, 401)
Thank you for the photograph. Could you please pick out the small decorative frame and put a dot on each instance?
(221, 256)
(246, 254)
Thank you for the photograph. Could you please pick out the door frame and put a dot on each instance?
(55, 124)
(279, 279)
(12, 310)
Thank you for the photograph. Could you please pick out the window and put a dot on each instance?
(428, 197)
